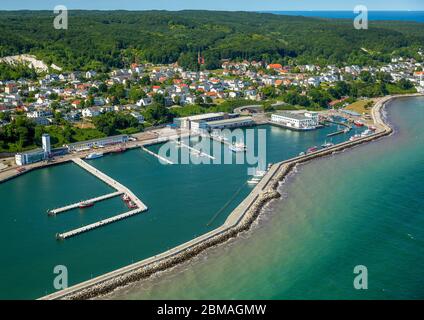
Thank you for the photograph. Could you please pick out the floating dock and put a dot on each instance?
(198, 152)
(156, 155)
(217, 139)
(72, 233)
(120, 189)
(76, 205)
(111, 182)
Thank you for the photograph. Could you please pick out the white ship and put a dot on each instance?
(238, 147)
(94, 155)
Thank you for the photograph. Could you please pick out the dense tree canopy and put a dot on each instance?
(104, 40)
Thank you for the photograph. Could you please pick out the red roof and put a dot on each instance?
(275, 66)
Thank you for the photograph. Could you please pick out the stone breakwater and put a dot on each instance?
(238, 221)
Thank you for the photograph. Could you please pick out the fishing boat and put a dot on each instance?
(94, 155)
(119, 150)
(85, 204)
(131, 204)
(358, 123)
(238, 147)
(302, 154)
(312, 149)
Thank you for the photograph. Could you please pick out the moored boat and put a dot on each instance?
(327, 145)
(355, 137)
(312, 149)
(85, 204)
(254, 181)
(238, 147)
(119, 150)
(94, 155)
(131, 204)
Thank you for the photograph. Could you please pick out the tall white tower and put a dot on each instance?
(46, 143)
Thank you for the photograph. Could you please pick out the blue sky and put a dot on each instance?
(245, 5)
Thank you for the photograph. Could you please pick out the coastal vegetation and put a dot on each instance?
(167, 37)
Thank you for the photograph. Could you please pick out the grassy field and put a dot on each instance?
(361, 107)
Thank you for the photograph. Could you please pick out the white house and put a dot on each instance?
(144, 102)
(90, 112)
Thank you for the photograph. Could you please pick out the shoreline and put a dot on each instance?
(238, 221)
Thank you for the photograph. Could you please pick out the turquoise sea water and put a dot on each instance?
(416, 16)
(364, 206)
(184, 201)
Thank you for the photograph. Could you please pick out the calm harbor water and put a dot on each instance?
(360, 207)
(184, 201)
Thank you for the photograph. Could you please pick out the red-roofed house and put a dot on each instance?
(275, 66)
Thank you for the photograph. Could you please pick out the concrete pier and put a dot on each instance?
(111, 182)
(76, 205)
(156, 155)
(121, 189)
(72, 233)
(198, 152)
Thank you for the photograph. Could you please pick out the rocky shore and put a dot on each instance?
(119, 278)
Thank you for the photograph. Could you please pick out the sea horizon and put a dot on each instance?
(373, 15)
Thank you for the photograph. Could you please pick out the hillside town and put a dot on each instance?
(78, 97)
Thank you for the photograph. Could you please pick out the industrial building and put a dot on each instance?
(210, 121)
(301, 120)
(230, 123)
(193, 122)
(97, 143)
(37, 155)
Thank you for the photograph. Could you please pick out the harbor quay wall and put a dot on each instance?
(240, 220)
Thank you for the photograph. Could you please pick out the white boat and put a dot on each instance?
(94, 155)
(327, 145)
(253, 181)
(260, 174)
(366, 133)
(238, 147)
(355, 137)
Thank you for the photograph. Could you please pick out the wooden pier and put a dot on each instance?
(76, 205)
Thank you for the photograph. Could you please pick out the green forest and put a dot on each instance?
(103, 40)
